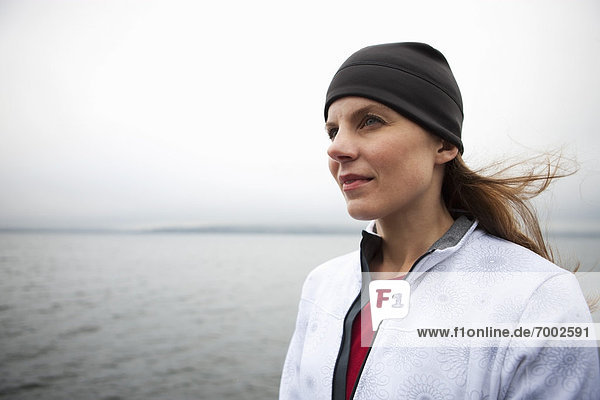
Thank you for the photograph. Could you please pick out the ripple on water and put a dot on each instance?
(80, 330)
(29, 353)
(10, 391)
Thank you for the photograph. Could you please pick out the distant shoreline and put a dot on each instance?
(250, 229)
(297, 230)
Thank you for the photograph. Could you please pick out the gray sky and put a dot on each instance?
(149, 113)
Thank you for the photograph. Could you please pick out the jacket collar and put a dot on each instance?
(371, 242)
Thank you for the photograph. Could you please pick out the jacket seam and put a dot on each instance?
(533, 292)
(321, 308)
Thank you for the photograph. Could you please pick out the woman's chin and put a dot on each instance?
(361, 213)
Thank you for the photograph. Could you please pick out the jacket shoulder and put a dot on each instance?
(340, 271)
(515, 282)
(488, 252)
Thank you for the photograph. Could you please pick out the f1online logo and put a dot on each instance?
(389, 299)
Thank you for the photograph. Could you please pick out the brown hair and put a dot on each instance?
(500, 200)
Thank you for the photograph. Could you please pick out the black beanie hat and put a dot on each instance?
(414, 79)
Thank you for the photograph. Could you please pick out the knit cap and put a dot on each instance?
(414, 79)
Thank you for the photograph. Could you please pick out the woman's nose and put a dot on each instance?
(343, 148)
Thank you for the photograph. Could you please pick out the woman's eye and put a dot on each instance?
(331, 132)
(372, 120)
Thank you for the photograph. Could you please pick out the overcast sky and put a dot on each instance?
(151, 113)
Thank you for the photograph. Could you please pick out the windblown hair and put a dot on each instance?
(500, 200)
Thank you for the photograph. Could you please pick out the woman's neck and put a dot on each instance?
(406, 237)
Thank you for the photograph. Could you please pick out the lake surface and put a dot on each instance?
(159, 316)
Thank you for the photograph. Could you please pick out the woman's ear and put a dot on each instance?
(446, 152)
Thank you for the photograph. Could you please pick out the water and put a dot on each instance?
(203, 316)
(150, 316)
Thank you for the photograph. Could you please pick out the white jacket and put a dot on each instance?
(483, 280)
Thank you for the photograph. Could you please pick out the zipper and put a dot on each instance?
(363, 363)
(377, 331)
(341, 350)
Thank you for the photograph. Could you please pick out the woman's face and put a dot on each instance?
(383, 162)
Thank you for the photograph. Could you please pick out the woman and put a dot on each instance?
(468, 246)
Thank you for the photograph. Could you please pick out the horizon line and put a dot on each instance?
(245, 229)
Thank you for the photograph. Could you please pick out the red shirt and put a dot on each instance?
(362, 334)
(360, 344)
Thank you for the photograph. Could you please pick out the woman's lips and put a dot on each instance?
(351, 185)
(352, 182)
